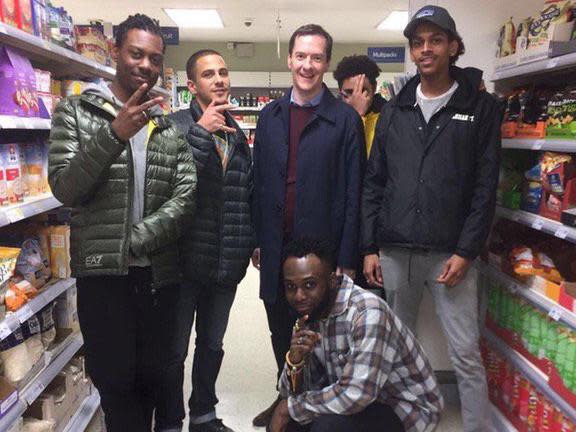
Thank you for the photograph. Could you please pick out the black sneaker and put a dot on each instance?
(215, 425)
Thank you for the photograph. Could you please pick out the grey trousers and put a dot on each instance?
(406, 273)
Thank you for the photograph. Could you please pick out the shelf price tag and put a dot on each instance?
(552, 63)
(36, 390)
(7, 122)
(15, 215)
(537, 225)
(538, 144)
(3, 29)
(5, 330)
(24, 313)
(561, 233)
(555, 313)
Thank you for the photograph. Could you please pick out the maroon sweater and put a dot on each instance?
(299, 119)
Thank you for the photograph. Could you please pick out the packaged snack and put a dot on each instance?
(9, 12)
(60, 251)
(3, 185)
(23, 171)
(91, 43)
(542, 27)
(33, 338)
(15, 357)
(32, 264)
(522, 33)
(25, 16)
(556, 110)
(11, 162)
(8, 259)
(18, 95)
(40, 19)
(47, 325)
(34, 155)
(507, 39)
(18, 294)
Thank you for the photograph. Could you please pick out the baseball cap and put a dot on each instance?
(435, 15)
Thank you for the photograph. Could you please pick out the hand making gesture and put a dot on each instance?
(213, 118)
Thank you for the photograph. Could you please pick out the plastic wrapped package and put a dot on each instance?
(32, 265)
(14, 354)
(35, 425)
(18, 294)
(33, 339)
(47, 325)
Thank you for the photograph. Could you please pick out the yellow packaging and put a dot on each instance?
(8, 258)
(60, 251)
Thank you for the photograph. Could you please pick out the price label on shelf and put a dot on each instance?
(5, 330)
(555, 313)
(561, 233)
(7, 122)
(538, 144)
(36, 390)
(15, 215)
(24, 313)
(552, 63)
(3, 29)
(537, 225)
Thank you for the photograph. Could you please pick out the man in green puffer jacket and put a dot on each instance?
(130, 178)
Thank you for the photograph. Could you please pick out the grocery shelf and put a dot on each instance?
(52, 290)
(539, 223)
(12, 122)
(500, 422)
(85, 413)
(530, 372)
(536, 67)
(559, 145)
(29, 207)
(542, 302)
(40, 382)
(61, 62)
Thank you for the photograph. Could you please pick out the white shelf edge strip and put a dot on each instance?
(539, 223)
(12, 321)
(80, 421)
(500, 422)
(12, 122)
(28, 208)
(531, 373)
(547, 305)
(33, 390)
(535, 67)
(564, 145)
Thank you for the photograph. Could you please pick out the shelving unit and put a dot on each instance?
(536, 67)
(557, 145)
(47, 295)
(28, 208)
(11, 122)
(84, 414)
(535, 376)
(37, 385)
(500, 422)
(539, 223)
(542, 302)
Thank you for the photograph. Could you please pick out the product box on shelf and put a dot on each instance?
(10, 160)
(553, 204)
(66, 312)
(568, 296)
(9, 12)
(25, 21)
(91, 43)
(40, 19)
(18, 95)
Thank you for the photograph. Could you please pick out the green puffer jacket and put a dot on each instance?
(91, 171)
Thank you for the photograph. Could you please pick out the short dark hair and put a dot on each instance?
(451, 37)
(139, 22)
(302, 246)
(354, 65)
(312, 30)
(191, 63)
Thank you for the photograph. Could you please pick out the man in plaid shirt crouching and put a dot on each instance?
(352, 365)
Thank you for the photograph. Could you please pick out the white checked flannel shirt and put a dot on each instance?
(365, 355)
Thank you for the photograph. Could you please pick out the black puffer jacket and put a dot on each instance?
(218, 246)
(434, 185)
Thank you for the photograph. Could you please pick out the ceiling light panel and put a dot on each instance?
(397, 20)
(196, 18)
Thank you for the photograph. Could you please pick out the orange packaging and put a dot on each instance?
(8, 259)
(60, 251)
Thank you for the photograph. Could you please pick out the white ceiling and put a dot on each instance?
(346, 20)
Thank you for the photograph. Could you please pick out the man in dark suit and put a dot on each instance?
(308, 158)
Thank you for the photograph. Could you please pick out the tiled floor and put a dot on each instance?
(247, 378)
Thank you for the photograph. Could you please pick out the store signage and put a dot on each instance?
(171, 35)
(387, 54)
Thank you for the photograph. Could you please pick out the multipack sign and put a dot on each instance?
(387, 54)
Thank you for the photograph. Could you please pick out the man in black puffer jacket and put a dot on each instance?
(217, 249)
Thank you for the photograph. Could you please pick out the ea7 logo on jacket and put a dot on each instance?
(463, 117)
(94, 261)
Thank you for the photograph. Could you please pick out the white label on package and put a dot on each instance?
(537, 225)
(555, 313)
(24, 313)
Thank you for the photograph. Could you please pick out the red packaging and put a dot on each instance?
(507, 384)
(515, 400)
(25, 16)
(534, 411)
(524, 400)
(9, 12)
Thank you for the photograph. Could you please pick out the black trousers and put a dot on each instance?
(375, 418)
(281, 320)
(128, 331)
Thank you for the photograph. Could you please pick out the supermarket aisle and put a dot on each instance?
(247, 379)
